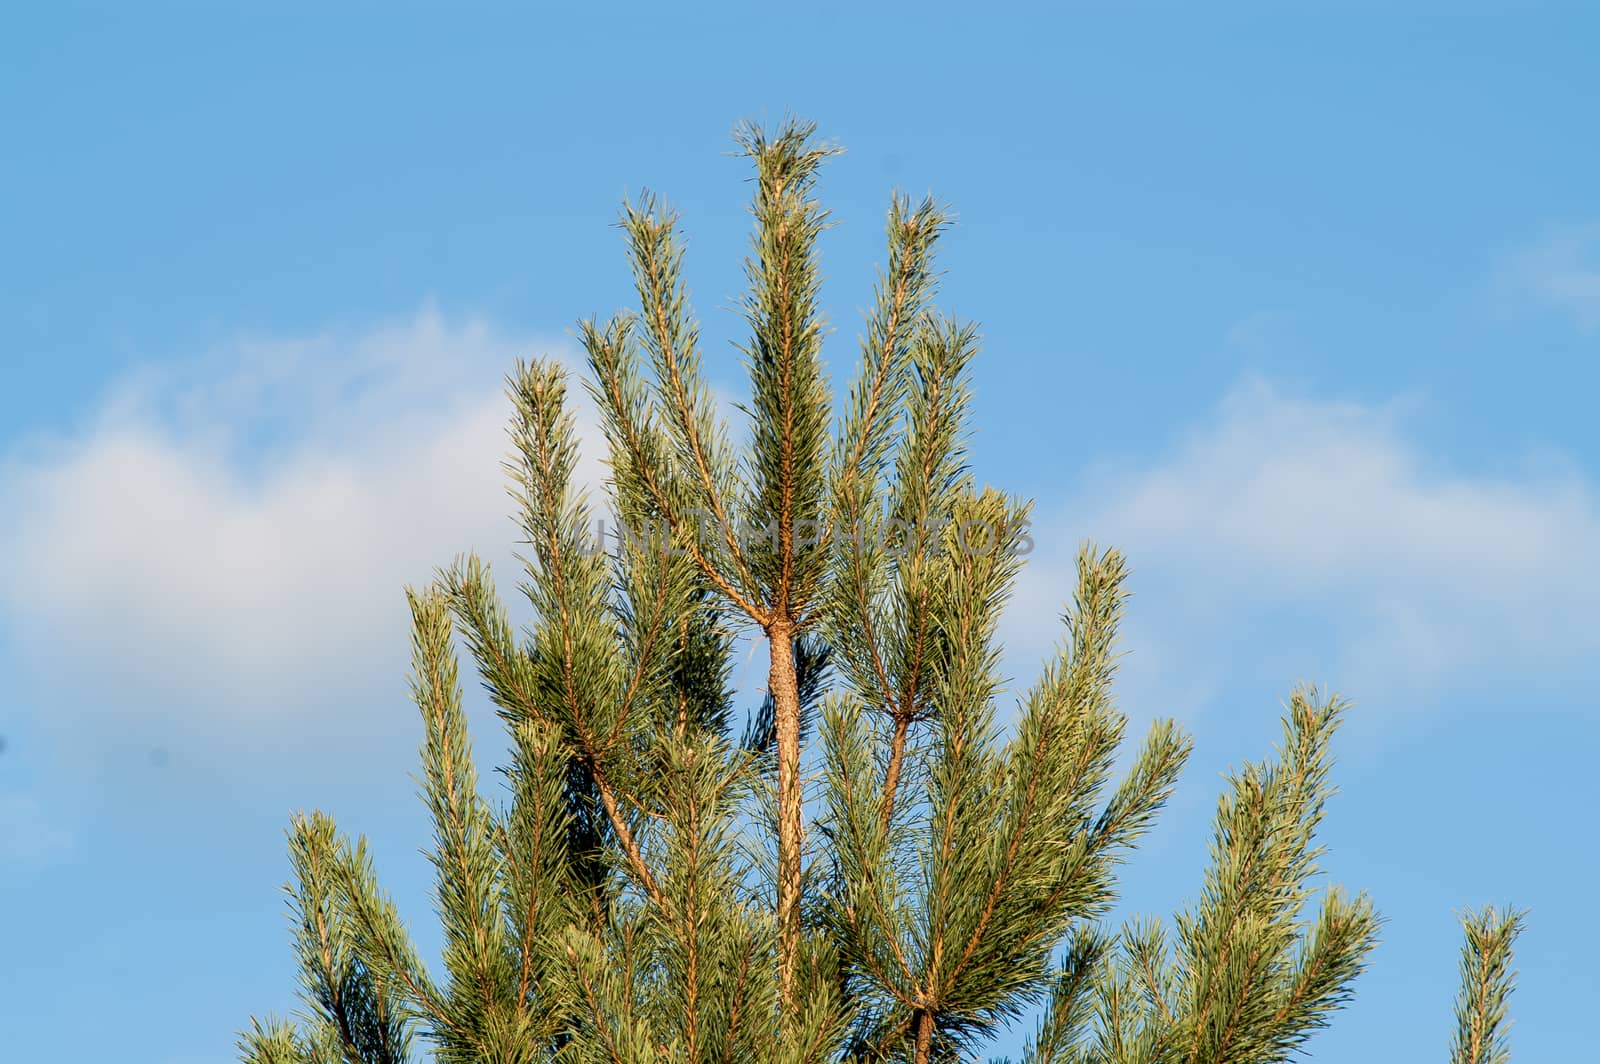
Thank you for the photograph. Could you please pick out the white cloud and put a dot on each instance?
(223, 547)
(1319, 540)
(226, 544)
(1562, 274)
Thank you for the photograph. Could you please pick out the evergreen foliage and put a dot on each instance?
(870, 867)
(1486, 983)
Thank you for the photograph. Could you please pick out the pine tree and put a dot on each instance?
(872, 868)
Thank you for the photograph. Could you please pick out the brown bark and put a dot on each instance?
(924, 1033)
(785, 689)
(891, 777)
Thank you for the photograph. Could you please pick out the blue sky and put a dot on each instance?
(1299, 304)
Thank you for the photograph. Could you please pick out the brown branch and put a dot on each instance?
(1479, 1020)
(891, 775)
(786, 354)
(736, 1004)
(527, 703)
(1298, 994)
(1014, 844)
(590, 753)
(906, 709)
(630, 846)
(1229, 1028)
(784, 684)
(892, 1035)
(1257, 798)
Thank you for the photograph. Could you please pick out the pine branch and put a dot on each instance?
(1487, 980)
(532, 840)
(385, 947)
(642, 474)
(576, 668)
(365, 1024)
(1248, 978)
(930, 466)
(273, 1041)
(477, 955)
(1027, 857)
(867, 436)
(672, 340)
(790, 401)
(1071, 1002)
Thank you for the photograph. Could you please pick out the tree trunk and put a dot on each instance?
(784, 686)
(924, 1034)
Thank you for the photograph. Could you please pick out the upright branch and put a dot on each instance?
(710, 481)
(1487, 979)
(577, 676)
(790, 408)
(477, 954)
(901, 357)
(930, 466)
(357, 1012)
